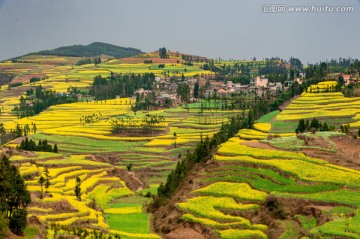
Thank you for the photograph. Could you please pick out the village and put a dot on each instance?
(167, 88)
(210, 88)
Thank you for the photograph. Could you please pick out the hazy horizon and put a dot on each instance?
(229, 29)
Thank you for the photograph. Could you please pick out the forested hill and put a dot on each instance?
(91, 50)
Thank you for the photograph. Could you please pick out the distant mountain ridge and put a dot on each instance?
(92, 50)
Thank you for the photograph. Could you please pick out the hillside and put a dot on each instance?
(91, 50)
(270, 183)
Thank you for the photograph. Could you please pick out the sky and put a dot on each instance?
(229, 29)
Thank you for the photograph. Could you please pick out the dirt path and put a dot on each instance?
(259, 145)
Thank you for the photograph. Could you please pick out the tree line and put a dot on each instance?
(42, 146)
(39, 100)
(145, 102)
(123, 85)
(95, 61)
(19, 131)
(149, 124)
(313, 125)
(89, 119)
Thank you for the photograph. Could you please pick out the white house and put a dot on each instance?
(258, 81)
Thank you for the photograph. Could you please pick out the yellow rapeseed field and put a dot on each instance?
(263, 127)
(237, 190)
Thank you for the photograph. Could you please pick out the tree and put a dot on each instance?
(18, 131)
(14, 197)
(129, 166)
(78, 188)
(345, 128)
(183, 91)
(56, 149)
(26, 130)
(34, 128)
(315, 123)
(41, 181)
(296, 63)
(47, 179)
(162, 53)
(2, 128)
(2, 133)
(301, 126)
(196, 90)
(207, 84)
(340, 84)
(17, 223)
(97, 60)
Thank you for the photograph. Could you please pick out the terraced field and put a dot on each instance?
(261, 184)
(235, 191)
(93, 153)
(99, 187)
(262, 129)
(120, 172)
(331, 107)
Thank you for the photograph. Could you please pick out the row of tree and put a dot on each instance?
(19, 131)
(39, 100)
(123, 85)
(95, 61)
(42, 146)
(89, 119)
(313, 125)
(149, 124)
(145, 102)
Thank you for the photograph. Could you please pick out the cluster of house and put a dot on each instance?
(167, 89)
(350, 79)
(257, 84)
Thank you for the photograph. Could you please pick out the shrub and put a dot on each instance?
(129, 166)
(275, 207)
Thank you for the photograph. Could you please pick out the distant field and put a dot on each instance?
(332, 108)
